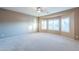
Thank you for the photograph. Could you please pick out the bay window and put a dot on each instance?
(56, 24)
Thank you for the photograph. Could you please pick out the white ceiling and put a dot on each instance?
(33, 12)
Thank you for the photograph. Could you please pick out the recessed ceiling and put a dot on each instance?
(33, 12)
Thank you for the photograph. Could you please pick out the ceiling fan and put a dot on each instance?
(41, 10)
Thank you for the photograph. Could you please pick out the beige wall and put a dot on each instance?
(59, 15)
(14, 23)
(76, 23)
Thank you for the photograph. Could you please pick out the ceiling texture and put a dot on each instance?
(32, 10)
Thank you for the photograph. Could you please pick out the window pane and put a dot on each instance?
(44, 24)
(53, 24)
(56, 24)
(65, 23)
(50, 24)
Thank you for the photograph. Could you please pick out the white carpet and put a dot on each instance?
(38, 42)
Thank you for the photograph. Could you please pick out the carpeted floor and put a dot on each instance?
(38, 42)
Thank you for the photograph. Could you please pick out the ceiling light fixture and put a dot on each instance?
(39, 9)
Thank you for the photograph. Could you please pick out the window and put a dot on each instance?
(34, 25)
(56, 24)
(50, 24)
(53, 24)
(65, 24)
(44, 24)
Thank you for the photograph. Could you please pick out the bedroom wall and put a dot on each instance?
(14, 23)
(60, 14)
(77, 23)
